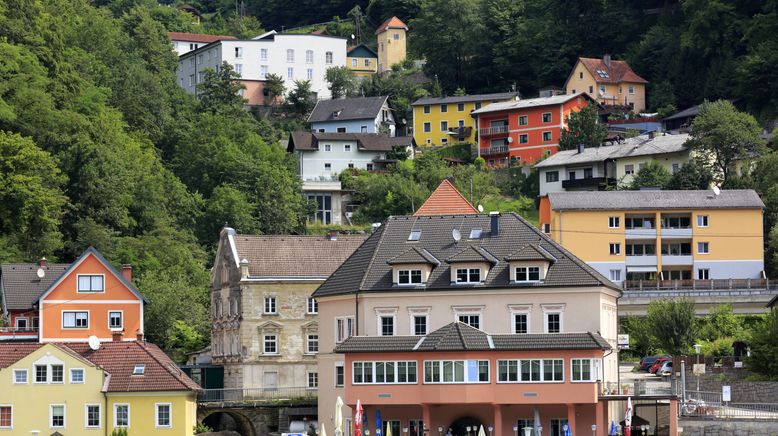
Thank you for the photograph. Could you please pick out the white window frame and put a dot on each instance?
(83, 376)
(342, 366)
(312, 306)
(553, 309)
(20, 371)
(121, 318)
(327, 166)
(265, 342)
(290, 55)
(315, 375)
(309, 73)
(386, 313)
(373, 364)
(702, 219)
(413, 312)
(170, 415)
(469, 272)
(290, 72)
(526, 278)
(707, 273)
(35, 374)
(99, 415)
(523, 120)
(75, 320)
(26, 322)
(541, 371)
(328, 58)
(524, 309)
(615, 275)
(631, 89)
(263, 54)
(308, 56)
(346, 321)
(543, 116)
(347, 147)
(78, 283)
(614, 248)
(465, 372)
(64, 415)
(629, 169)
(51, 374)
(238, 53)
(410, 272)
(308, 343)
(10, 427)
(272, 300)
(550, 136)
(614, 222)
(703, 244)
(116, 415)
(593, 370)
(469, 311)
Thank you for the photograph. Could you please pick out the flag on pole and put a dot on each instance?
(628, 418)
(378, 423)
(358, 419)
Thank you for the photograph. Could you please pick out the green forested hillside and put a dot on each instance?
(98, 146)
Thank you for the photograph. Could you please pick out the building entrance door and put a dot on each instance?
(459, 427)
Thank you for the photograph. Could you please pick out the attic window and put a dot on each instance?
(475, 233)
(336, 114)
(603, 74)
(415, 235)
(139, 370)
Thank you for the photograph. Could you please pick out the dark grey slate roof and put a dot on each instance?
(359, 108)
(530, 252)
(414, 255)
(688, 112)
(633, 147)
(465, 98)
(458, 336)
(21, 285)
(367, 269)
(302, 140)
(472, 254)
(635, 200)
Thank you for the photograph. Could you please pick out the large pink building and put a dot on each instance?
(445, 322)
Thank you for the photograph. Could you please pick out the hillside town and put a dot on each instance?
(265, 219)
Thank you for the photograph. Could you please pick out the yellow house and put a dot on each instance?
(46, 388)
(85, 391)
(696, 237)
(391, 39)
(362, 60)
(447, 120)
(610, 82)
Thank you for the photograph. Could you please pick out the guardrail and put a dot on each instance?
(640, 388)
(18, 329)
(496, 130)
(494, 149)
(255, 395)
(759, 284)
(710, 404)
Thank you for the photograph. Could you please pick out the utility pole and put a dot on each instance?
(356, 13)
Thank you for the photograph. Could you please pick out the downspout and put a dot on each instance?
(356, 313)
(561, 232)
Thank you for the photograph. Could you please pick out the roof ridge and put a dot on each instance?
(372, 255)
(178, 378)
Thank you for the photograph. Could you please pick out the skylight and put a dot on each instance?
(475, 233)
(603, 74)
(139, 370)
(415, 235)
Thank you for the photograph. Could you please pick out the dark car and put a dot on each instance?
(658, 364)
(646, 362)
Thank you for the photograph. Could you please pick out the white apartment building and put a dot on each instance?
(291, 56)
(183, 43)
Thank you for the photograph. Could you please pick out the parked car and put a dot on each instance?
(665, 369)
(646, 362)
(657, 364)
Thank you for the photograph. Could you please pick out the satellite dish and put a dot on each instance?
(510, 140)
(40, 273)
(456, 235)
(353, 37)
(480, 208)
(716, 191)
(94, 343)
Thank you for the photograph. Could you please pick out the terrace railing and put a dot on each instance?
(710, 405)
(255, 395)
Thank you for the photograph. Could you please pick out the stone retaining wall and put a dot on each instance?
(698, 427)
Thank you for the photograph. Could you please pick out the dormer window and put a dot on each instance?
(468, 275)
(409, 277)
(527, 274)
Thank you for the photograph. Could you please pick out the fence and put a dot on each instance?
(255, 395)
(757, 284)
(710, 405)
(640, 388)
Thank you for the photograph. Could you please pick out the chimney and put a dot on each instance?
(495, 224)
(581, 148)
(606, 59)
(117, 336)
(244, 268)
(332, 235)
(651, 134)
(43, 262)
(139, 337)
(374, 227)
(127, 272)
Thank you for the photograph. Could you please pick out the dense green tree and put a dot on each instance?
(724, 137)
(691, 175)
(300, 100)
(583, 128)
(275, 87)
(341, 80)
(672, 321)
(653, 174)
(220, 90)
(721, 322)
(764, 348)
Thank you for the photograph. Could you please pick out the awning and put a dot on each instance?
(641, 269)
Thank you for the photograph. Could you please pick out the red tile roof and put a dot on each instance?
(119, 359)
(198, 37)
(11, 353)
(392, 23)
(446, 200)
(618, 72)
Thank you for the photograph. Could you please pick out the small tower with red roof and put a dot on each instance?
(392, 40)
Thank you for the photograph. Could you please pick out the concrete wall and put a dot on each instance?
(704, 427)
(311, 163)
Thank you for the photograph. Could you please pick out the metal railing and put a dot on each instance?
(496, 130)
(640, 388)
(730, 284)
(255, 395)
(21, 331)
(494, 149)
(710, 404)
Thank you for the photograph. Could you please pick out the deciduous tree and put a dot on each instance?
(583, 128)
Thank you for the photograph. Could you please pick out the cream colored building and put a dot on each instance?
(610, 82)
(265, 322)
(392, 41)
(496, 273)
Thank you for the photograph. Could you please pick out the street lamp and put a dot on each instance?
(468, 430)
(594, 429)
(491, 427)
(564, 429)
(516, 430)
(405, 430)
(618, 429)
(440, 431)
(367, 432)
(527, 431)
(540, 430)
(644, 428)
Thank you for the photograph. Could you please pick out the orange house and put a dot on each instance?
(90, 299)
(524, 130)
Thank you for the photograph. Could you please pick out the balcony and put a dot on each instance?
(494, 130)
(494, 149)
(640, 261)
(682, 259)
(640, 233)
(11, 333)
(590, 182)
(676, 232)
(742, 285)
(255, 395)
(461, 133)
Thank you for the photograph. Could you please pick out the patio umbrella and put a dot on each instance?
(628, 418)
(378, 424)
(338, 417)
(613, 428)
(322, 432)
(569, 431)
(358, 420)
(481, 431)
(388, 430)
(536, 425)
